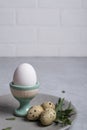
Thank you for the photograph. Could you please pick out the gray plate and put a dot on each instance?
(8, 104)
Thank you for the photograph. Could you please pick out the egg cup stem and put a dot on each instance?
(23, 108)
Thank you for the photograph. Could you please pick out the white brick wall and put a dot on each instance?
(47, 3)
(60, 3)
(84, 35)
(53, 35)
(18, 3)
(7, 16)
(37, 50)
(76, 17)
(43, 27)
(38, 17)
(69, 4)
(85, 4)
(7, 49)
(17, 34)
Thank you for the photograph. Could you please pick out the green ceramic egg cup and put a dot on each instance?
(24, 94)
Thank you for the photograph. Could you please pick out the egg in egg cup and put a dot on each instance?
(24, 94)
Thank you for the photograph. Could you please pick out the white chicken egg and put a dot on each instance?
(25, 75)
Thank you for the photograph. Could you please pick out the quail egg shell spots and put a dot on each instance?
(25, 75)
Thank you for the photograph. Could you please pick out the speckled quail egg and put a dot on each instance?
(47, 117)
(34, 112)
(48, 104)
(52, 111)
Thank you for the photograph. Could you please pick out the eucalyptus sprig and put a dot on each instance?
(11, 118)
(63, 115)
(8, 128)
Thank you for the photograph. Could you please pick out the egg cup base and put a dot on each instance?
(23, 108)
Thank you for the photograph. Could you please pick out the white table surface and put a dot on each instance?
(54, 75)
